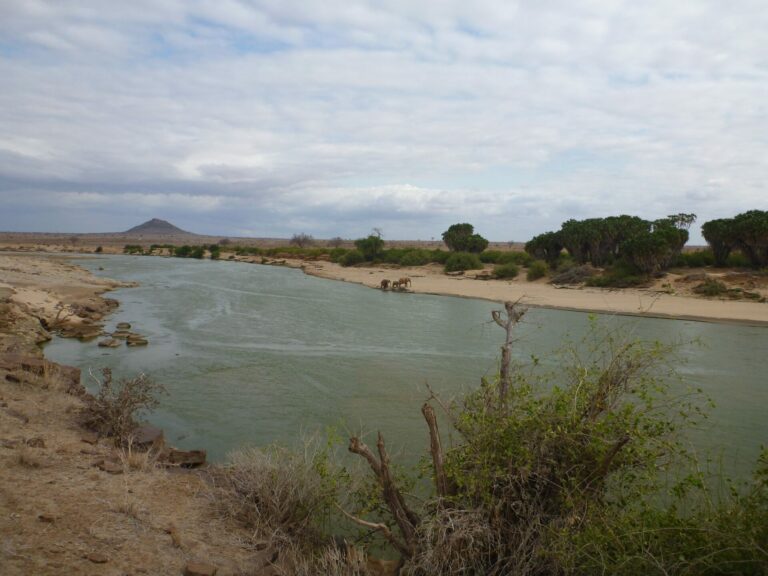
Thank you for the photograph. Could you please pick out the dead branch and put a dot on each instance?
(441, 482)
(514, 314)
(405, 518)
(380, 527)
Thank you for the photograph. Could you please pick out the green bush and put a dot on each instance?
(416, 257)
(619, 276)
(351, 258)
(519, 258)
(737, 260)
(337, 254)
(503, 271)
(537, 269)
(133, 249)
(711, 287)
(695, 259)
(490, 256)
(197, 252)
(440, 256)
(462, 261)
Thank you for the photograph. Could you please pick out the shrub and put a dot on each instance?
(302, 240)
(519, 258)
(502, 271)
(618, 278)
(277, 492)
(182, 251)
(461, 238)
(490, 256)
(440, 256)
(462, 261)
(695, 259)
(737, 260)
(537, 269)
(416, 258)
(99, 249)
(351, 258)
(711, 287)
(337, 254)
(115, 407)
(370, 247)
(133, 249)
(197, 252)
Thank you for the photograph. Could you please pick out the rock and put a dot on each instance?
(36, 442)
(132, 342)
(121, 334)
(123, 326)
(109, 467)
(89, 437)
(110, 343)
(13, 378)
(186, 458)
(98, 558)
(47, 518)
(456, 273)
(147, 436)
(199, 569)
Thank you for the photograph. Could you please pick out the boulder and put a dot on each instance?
(186, 458)
(123, 326)
(148, 437)
(110, 343)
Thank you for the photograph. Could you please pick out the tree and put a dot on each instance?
(547, 247)
(462, 238)
(302, 240)
(336, 242)
(720, 235)
(370, 247)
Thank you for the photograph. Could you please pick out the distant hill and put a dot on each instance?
(156, 227)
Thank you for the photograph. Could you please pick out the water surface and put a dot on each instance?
(253, 354)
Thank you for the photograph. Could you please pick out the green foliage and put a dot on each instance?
(215, 250)
(416, 257)
(711, 287)
(462, 238)
(133, 249)
(462, 261)
(337, 254)
(182, 251)
(547, 247)
(351, 258)
(737, 260)
(440, 256)
(655, 249)
(370, 247)
(503, 271)
(537, 269)
(747, 232)
(618, 276)
(695, 259)
(197, 252)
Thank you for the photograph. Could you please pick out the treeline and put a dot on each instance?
(747, 232)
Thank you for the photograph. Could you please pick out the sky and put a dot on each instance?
(269, 118)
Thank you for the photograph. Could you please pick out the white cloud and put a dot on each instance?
(410, 112)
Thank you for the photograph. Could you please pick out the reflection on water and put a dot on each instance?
(253, 354)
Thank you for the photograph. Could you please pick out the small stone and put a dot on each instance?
(36, 442)
(109, 343)
(123, 326)
(121, 334)
(137, 342)
(109, 467)
(199, 569)
(147, 436)
(47, 518)
(90, 437)
(97, 558)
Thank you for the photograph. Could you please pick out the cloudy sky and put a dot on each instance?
(265, 118)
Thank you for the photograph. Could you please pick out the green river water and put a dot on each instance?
(253, 354)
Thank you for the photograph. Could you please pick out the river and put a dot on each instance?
(254, 354)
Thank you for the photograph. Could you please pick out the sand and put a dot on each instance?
(656, 301)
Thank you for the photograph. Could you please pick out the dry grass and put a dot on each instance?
(28, 459)
(329, 561)
(138, 460)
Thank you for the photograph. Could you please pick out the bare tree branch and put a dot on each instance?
(441, 482)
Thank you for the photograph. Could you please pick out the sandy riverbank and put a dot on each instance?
(667, 298)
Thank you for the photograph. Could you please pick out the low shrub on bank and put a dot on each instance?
(459, 261)
(537, 269)
(114, 409)
(504, 271)
(695, 259)
(711, 287)
(133, 249)
(618, 276)
(352, 258)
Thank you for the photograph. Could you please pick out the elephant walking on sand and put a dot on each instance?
(384, 284)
